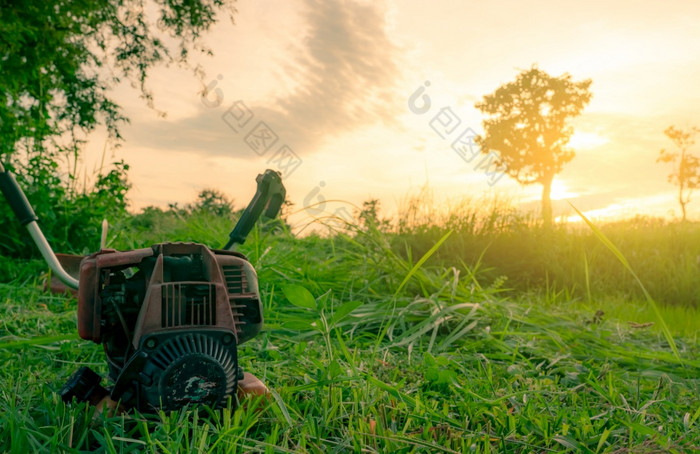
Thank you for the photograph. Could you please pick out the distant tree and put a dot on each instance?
(369, 216)
(214, 202)
(686, 166)
(526, 124)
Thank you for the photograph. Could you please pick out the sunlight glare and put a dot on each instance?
(586, 140)
(560, 191)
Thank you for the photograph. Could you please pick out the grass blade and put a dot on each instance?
(422, 260)
(40, 340)
(609, 244)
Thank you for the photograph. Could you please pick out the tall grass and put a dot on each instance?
(665, 255)
(374, 341)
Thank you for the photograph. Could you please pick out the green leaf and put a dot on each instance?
(603, 438)
(429, 360)
(343, 311)
(446, 376)
(299, 296)
(432, 374)
(695, 416)
(334, 369)
(299, 348)
(644, 430)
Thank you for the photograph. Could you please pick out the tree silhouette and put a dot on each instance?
(686, 166)
(526, 124)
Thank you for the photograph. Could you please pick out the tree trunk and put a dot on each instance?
(546, 200)
(681, 182)
(682, 202)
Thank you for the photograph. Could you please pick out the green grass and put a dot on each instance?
(570, 257)
(438, 354)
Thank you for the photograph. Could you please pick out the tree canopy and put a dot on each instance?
(526, 125)
(58, 62)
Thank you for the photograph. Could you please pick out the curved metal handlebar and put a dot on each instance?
(25, 214)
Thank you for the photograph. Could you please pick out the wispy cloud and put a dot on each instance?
(348, 69)
(345, 71)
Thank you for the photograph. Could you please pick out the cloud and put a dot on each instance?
(345, 72)
(348, 69)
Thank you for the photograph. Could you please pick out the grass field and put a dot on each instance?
(454, 353)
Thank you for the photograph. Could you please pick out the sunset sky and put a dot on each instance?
(332, 80)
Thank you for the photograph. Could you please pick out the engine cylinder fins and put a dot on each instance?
(191, 368)
(236, 279)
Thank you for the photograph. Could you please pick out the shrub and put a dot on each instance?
(70, 218)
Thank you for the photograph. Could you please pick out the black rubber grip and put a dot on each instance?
(267, 200)
(274, 205)
(16, 198)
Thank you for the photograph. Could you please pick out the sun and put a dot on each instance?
(586, 140)
(560, 191)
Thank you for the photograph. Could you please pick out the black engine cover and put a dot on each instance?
(172, 369)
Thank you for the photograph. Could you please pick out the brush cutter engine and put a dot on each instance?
(170, 317)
